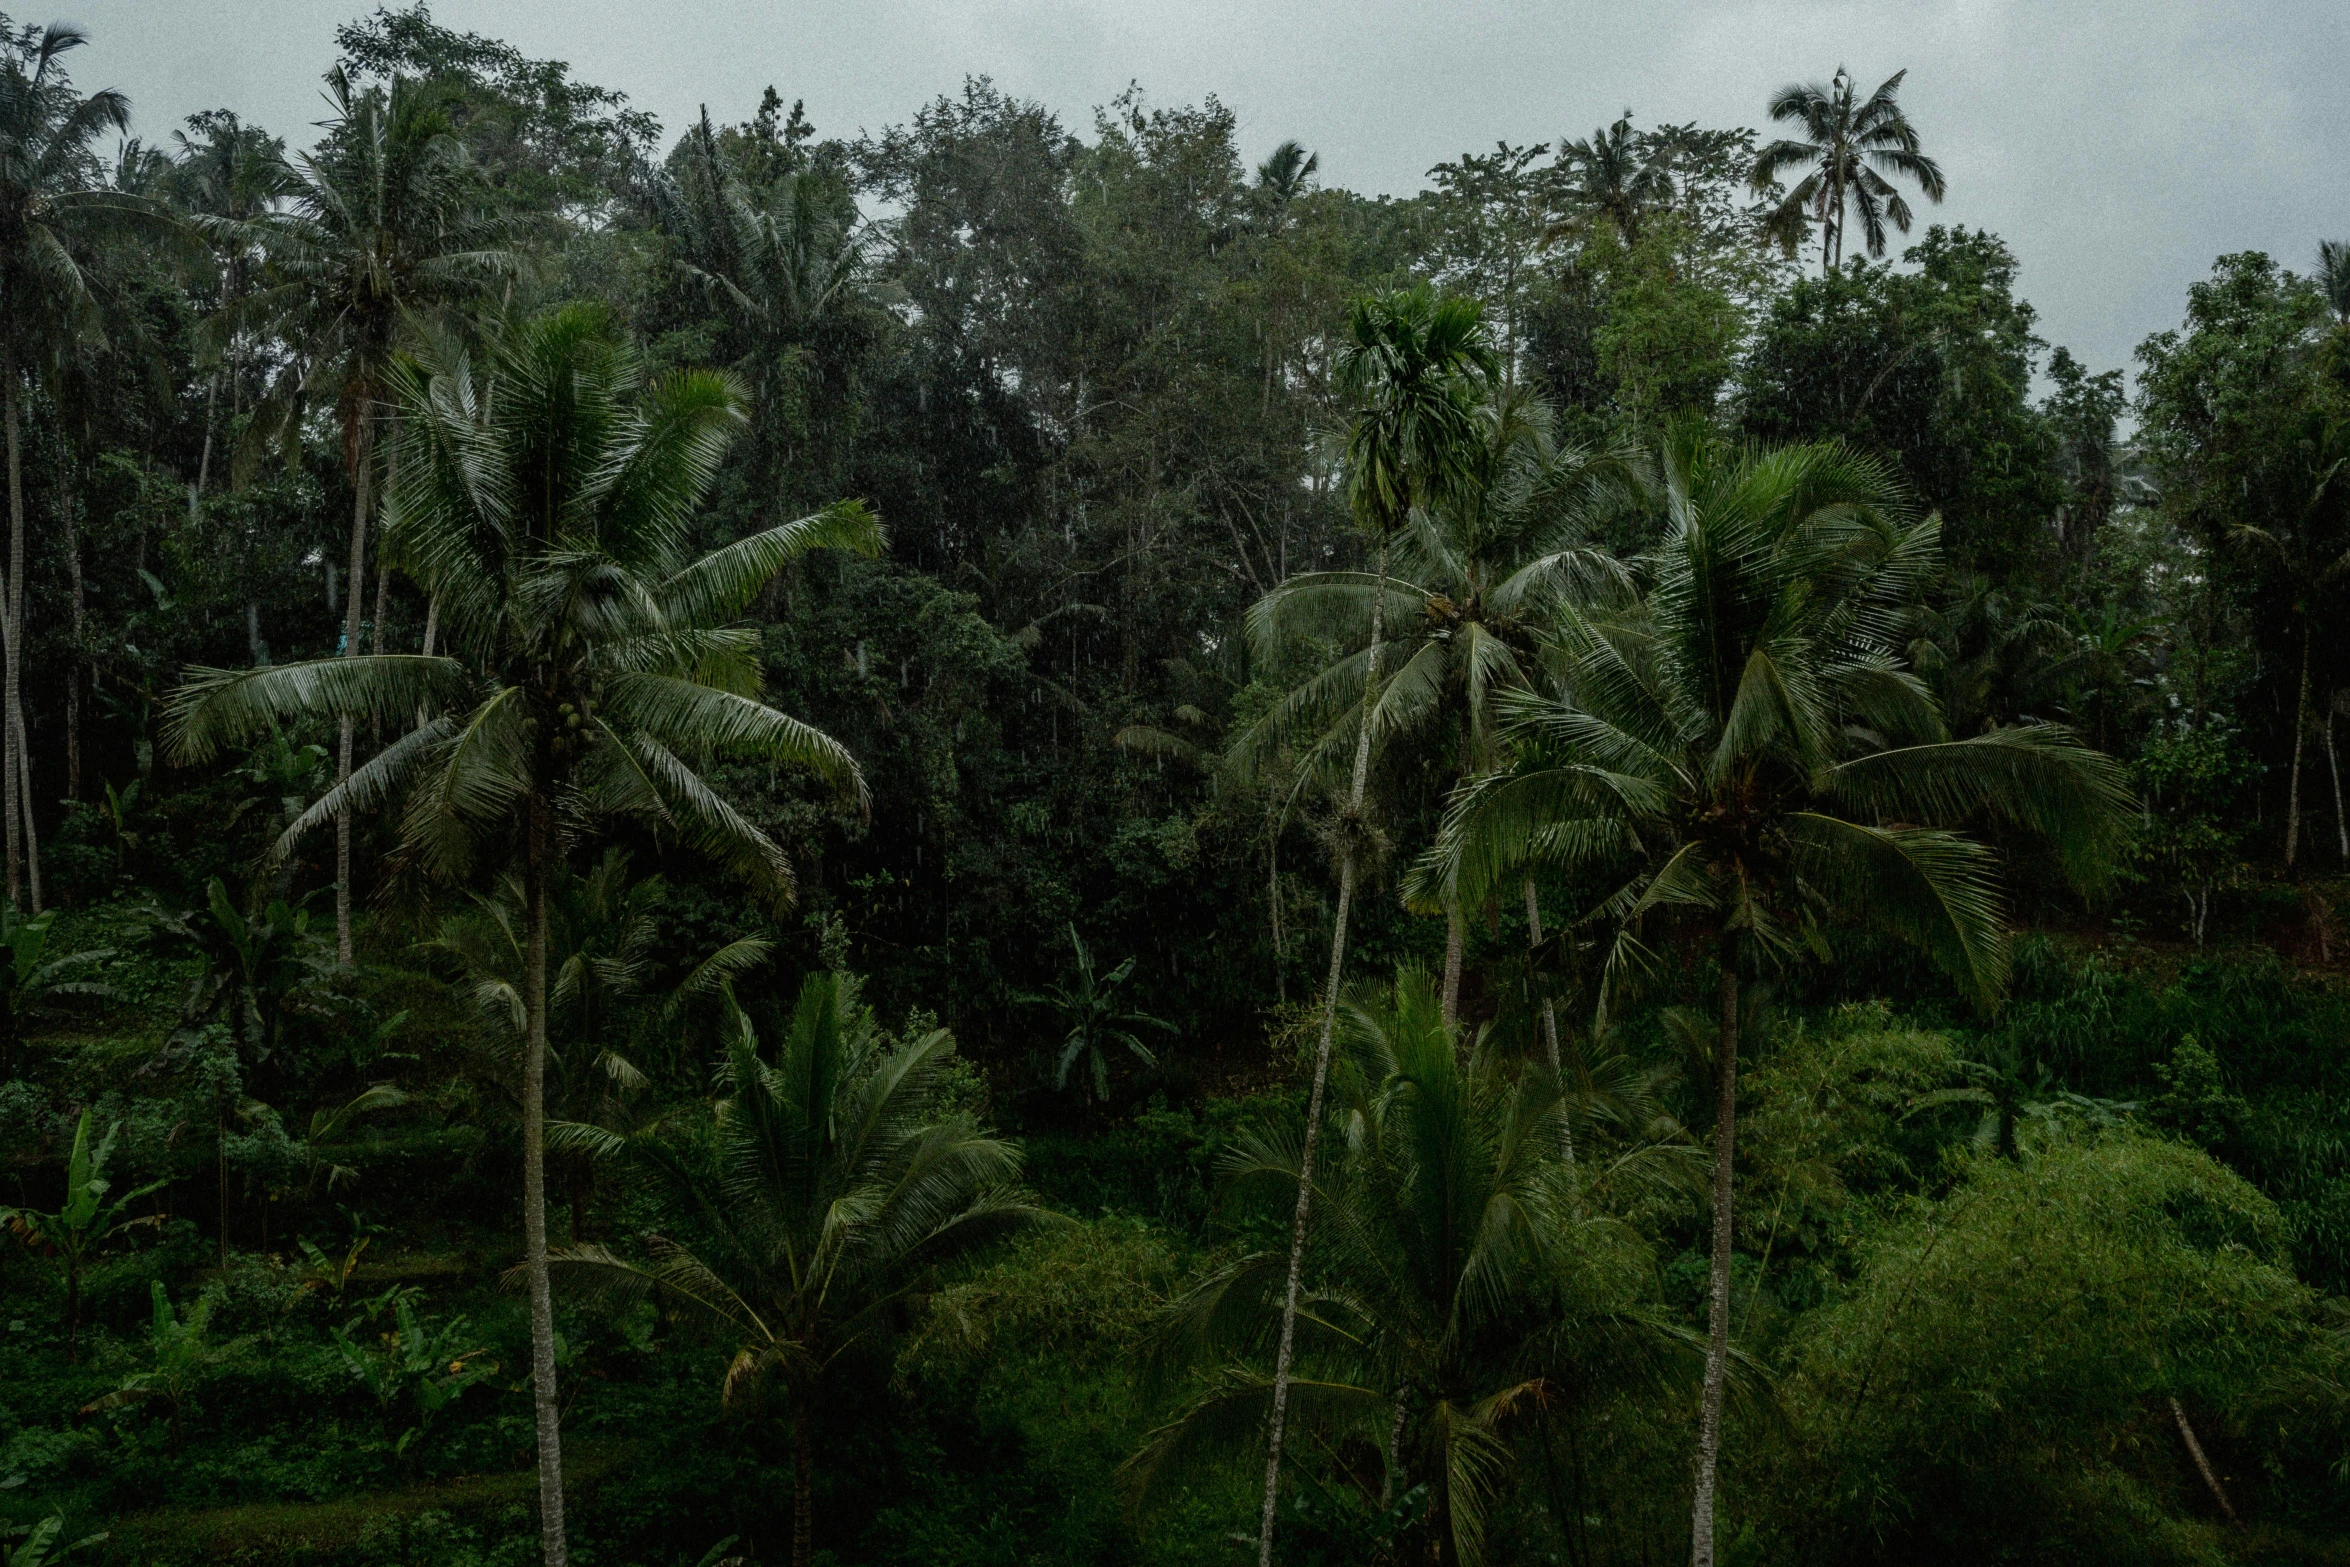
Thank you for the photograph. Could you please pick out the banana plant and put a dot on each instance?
(38, 1546)
(415, 1365)
(183, 1356)
(29, 977)
(1091, 1007)
(71, 1236)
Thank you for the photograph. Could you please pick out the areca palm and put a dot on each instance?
(841, 1182)
(385, 219)
(548, 506)
(1413, 363)
(54, 201)
(1742, 750)
(1457, 1292)
(1849, 146)
(1466, 586)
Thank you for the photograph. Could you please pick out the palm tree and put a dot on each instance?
(777, 261)
(1467, 583)
(1849, 149)
(384, 220)
(548, 505)
(1743, 747)
(54, 202)
(1091, 1009)
(1413, 363)
(840, 1183)
(1617, 177)
(2333, 277)
(1458, 1293)
(1284, 175)
(231, 171)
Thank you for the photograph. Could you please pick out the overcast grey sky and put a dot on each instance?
(2119, 146)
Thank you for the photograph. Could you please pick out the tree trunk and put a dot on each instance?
(1273, 902)
(1550, 1016)
(1717, 1294)
(78, 674)
(2334, 766)
(536, 854)
(73, 1313)
(2300, 730)
(803, 1489)
(204, 461)
(24, 789)
(354, 602)
(1456, 940)
(1305, 1169)
(2178, 1412)
(10, 598)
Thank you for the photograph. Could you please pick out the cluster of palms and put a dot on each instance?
(579, 664)
(1715, 745)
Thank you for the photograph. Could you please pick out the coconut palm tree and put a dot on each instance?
(1458, 1292)
(1466, 586)
(1849, 148)
(228, 170)
(2333, 277)
(777, 261)
(383, 221)
(1618, 177)
(1414, 364)
(1743, 749)
(841, 1183)
(548, 505)
(54, 202)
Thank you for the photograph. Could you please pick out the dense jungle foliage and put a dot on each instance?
(1012, 842)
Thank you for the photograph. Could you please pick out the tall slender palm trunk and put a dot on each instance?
(1717, 1290)
(2334, 766)
(2300, 734)
(79, 670)
(1348, 870)
(11, 768)
(361, 440)
(537, 853)
(803, 1487)
(1456, 941)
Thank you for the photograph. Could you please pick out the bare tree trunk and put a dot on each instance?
(803, 1488)
(10, 774)
(2334, 766)
(1273, 902)
(1305, 1168)
(78, 674)
(2300, 731)
(1550, 1016)
(204, 461)
(1717, 1294)
(355, 602)
(536, 854)
(32, 839)
(1456, 939)
(2203, 1467)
